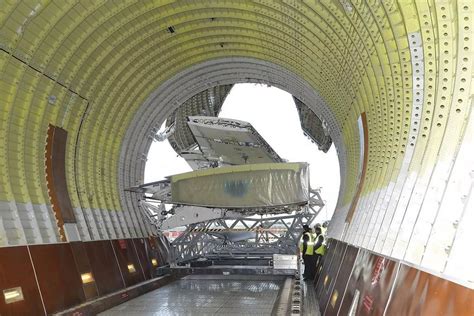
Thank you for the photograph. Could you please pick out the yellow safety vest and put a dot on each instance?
(321, 249)
(309, 244)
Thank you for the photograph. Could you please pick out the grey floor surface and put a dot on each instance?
(207, 295)
(310, 304)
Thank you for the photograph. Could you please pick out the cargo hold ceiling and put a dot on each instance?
(391, 79)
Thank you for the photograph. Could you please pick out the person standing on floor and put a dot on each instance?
(319, 247)
(307, 252)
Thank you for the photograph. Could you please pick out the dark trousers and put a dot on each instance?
(309, 266)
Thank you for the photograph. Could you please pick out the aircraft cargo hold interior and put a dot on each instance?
(87, 87)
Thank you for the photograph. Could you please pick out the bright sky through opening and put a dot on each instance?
(273, 114)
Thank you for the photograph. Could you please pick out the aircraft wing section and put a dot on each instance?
(230, 142)
(244, 186)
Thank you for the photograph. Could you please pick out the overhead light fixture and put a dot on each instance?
(154, 262)
(131, 268)
(87, 278)
(13, 295)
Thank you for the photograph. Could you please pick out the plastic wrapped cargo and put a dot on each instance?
(243, 186)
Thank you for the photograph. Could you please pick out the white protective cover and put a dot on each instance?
(243, 186)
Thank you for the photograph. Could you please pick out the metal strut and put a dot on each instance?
(226, 233)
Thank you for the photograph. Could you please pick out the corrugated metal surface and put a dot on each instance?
(206, 103)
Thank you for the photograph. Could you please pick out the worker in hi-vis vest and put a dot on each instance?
(324, 227)
(307, 252)
(319, 247)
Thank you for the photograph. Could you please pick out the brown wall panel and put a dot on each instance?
(83, 266)
(373, 277)
(16, 270)
(328, 279)
(343, 276)
(326, 264)
(160, 246)
(126, 255)
(55, 155)
(59, 268)
(60, 283)
(145, 254)
(104, 266)
(157, 250)
(420, 293)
